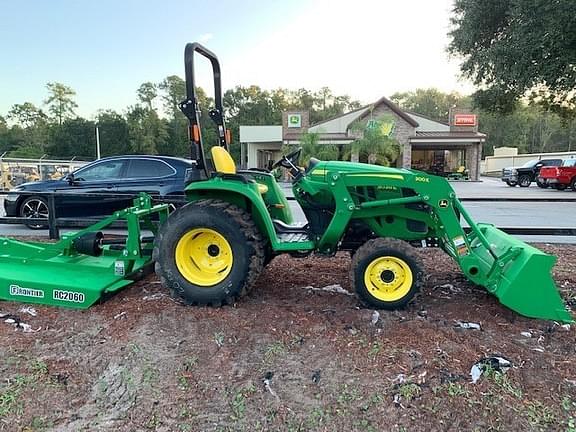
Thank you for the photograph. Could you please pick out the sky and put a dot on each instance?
(105, 49)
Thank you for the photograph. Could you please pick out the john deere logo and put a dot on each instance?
(295, 120)
(386, 126)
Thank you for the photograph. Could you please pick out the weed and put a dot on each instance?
(191, 362)
(364, 424)
(347, 395)
(409, 391)
(316, 418)
(374, 349)
(38, 367)
(133, 348)
(568, 404)
(149, 375)
(539, 414)
(503, 382)
(39, 424)
(153, 422)
(456, 390)
(273, 350)
(571, 425)
(238, 403)
(10, 395)
(219, 339)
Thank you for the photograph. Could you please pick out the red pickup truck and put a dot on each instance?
(560, 177)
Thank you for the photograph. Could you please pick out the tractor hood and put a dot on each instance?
(321, 168)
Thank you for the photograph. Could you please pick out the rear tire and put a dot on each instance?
(524, 180)
(573, 184)
(209, 252)
(386, 273)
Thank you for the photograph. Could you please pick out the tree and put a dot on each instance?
(375, 143)
(431, 102)
(147, 92)
(27, 114)
(146, 131)
(113, 130)
(312, 148)
(512, 48)
(74, 137)
(174, 89)
(60, 102)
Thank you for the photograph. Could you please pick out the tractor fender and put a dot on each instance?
(237, 193)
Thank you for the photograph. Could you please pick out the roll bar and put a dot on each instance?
(191, 110)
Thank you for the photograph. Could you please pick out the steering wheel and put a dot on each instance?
(290, 160)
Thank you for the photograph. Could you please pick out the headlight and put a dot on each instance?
(514, 171)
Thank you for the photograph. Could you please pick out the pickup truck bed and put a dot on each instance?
(560, 177)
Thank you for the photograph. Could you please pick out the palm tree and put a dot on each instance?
(375, 144)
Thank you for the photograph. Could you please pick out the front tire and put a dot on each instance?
(209, 252)
(524, 180)
(386, 273)
(573, 184)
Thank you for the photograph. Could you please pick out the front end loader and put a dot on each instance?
(212, 250)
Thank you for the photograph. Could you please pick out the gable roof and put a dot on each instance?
(394, 108)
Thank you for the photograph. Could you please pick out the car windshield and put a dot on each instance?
(569, 163)
(530, 164)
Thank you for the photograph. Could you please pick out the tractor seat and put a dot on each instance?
(224, 164)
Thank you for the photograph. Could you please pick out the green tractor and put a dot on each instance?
(212, 250)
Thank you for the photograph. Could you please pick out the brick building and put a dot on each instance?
(425, 144)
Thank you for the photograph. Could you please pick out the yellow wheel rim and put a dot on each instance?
(204, 257)
(388, 278)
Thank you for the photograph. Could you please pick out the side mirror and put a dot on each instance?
(70, 179)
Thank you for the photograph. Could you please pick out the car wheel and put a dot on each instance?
(524, 180)
(35, 207)
(573, 184)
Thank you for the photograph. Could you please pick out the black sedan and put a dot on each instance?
(115, 181)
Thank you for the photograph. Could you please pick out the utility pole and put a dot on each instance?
(97, 144)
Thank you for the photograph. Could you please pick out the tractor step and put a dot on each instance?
(293, 237)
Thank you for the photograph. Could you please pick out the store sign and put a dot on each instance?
(386, 126)
(295, 120)
(465, 120)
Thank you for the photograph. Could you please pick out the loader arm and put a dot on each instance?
(518, 274)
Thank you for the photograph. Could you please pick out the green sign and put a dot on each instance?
(294, 120)
(386, 126)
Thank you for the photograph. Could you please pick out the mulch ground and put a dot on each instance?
(290, 358)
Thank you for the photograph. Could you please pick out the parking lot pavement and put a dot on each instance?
(501, 213)
(491, 187)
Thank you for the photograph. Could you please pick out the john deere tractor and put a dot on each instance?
(212, 250)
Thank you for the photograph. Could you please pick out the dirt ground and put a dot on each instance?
(289, 358)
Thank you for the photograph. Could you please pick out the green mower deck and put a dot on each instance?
(78, 270)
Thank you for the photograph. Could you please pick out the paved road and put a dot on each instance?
(562, 214)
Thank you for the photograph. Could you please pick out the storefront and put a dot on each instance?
(425, 144)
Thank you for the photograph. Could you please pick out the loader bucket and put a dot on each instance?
(518, 274)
